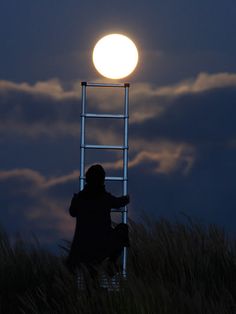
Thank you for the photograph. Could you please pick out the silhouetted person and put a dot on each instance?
(94, 237)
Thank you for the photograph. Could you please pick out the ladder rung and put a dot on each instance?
(105, 84)
(104, 147)
(119, 210)
(104, 115)
(115, 179)
(111, 178)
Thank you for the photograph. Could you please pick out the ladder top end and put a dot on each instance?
(83, 83)
(127, 84)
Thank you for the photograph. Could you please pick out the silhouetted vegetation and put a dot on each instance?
(172, 268)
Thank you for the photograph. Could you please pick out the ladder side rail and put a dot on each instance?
(126, 145)
(82, 137)
(125, 171)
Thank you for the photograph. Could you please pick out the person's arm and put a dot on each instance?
(117, 202)
(74, 206)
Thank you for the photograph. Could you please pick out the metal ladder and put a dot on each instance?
(83, 146)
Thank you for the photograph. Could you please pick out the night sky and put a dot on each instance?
(182, 158)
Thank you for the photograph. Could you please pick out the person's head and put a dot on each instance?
(95, 175)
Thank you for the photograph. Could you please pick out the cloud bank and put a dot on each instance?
(182, 148)
(47, 107)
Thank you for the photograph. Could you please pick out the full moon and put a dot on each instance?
(115, 56)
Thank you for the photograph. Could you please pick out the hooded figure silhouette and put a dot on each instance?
(94, 238)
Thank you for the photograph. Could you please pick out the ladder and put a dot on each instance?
(83, 146)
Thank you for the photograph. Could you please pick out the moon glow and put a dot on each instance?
(115, 56)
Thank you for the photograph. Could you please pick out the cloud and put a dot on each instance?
(206, 118)
(29, 175)
(48, 108)
(167, 124)
(162, 157)
(182, 148)
(52, 88)
(202, 83)
(39, 191)
(166, 158)
(30, 207)
(24, 174)
(39, 202)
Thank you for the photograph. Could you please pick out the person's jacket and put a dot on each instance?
(92, 207)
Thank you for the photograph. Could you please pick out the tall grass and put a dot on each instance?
(172, 268)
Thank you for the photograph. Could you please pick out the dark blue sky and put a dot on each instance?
(182, 109)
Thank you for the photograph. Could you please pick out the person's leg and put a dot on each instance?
(119, 239)
(122, 231)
